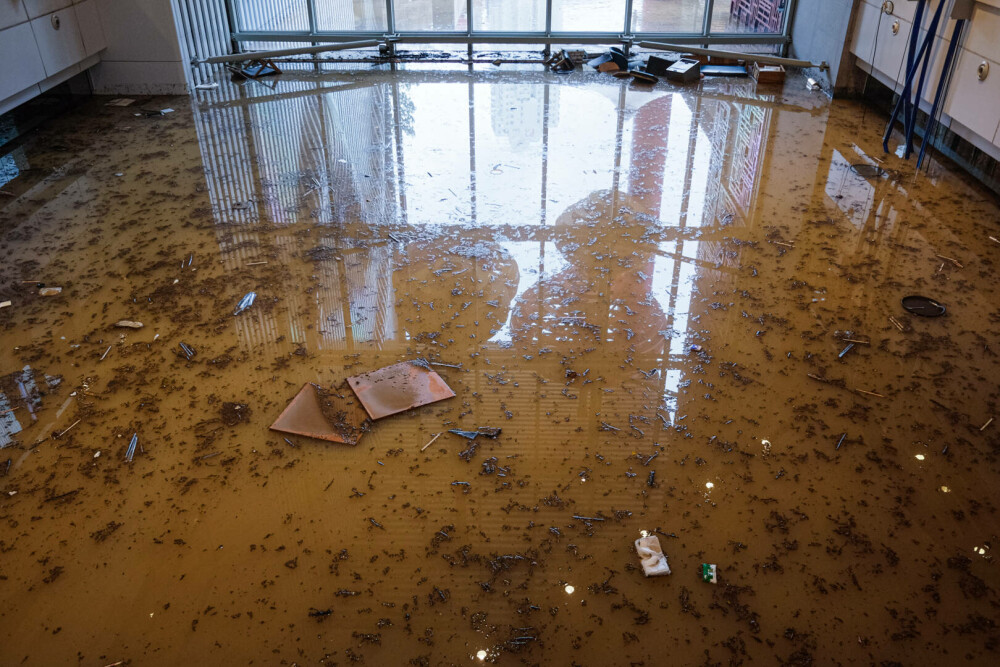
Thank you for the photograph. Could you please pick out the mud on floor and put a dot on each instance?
(649, 291)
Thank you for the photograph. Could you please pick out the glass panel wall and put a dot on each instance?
(749, 16)
(346, 15)
(668, 16)
(258, 20)
(431, 15)
(589, 15)
(509, 15)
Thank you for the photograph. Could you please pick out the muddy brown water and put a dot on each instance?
(566, 240)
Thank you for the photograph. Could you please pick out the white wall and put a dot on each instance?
(144, 52)
(821, 31)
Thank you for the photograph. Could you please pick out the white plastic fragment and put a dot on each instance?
(5, 304)
(96, 454)
(654, 561)
(128, 324)
(50, 291)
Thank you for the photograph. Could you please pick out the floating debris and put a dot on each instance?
(50, 291)
(847, 349)
(245, 303)
(128, 324)
(431, 442)
(130, 452)
(187, 350)
(923, 306)
(841, 441)
(709, 573)
(397, 388)
(318, 413)
(651, 556)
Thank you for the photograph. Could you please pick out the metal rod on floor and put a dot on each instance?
(771, 60)
(256, 55)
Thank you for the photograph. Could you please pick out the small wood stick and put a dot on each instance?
(870, 393)
(19, 407)
(983, 427)
(255, 263)
(67, 430)
(895, 323)
(105, 353)
(431, 442)
(950, 259)
(994, 239)
(853, 340)
(789, 245)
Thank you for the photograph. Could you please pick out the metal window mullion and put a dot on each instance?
(628, 17)
(706, 26)
(468, 28)
(786, 31)
(311, 8)
(390, 17)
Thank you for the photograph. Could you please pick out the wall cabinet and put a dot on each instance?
(50, 40)
(973, 101)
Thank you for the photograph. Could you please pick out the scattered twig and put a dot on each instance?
(952, 260)
(62, 495)
(854, 340)
(438, 363)
(605, 426)
(895, 323)
(787, 245)
(983, 427)
(11, 410)
(254, 263)
(106, 353)
(816, 377)
(59, 435)
(587, 518)
(841, 441)
(431, 441)
(994, 239)
(869, 393)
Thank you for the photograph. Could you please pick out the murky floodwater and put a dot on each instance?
(648, 291)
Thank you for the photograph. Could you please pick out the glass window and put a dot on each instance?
(343, 15)
(588, 15)
(669, 15)
(509, 15)
(749, 16)
(273, 16)
(446, 15)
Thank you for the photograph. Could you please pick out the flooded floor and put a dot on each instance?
(650, 291)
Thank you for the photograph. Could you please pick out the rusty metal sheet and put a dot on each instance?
(403, 386)
(322, 414)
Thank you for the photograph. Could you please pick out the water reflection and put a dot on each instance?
(596, 196)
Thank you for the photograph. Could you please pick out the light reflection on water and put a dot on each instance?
(446, 152)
